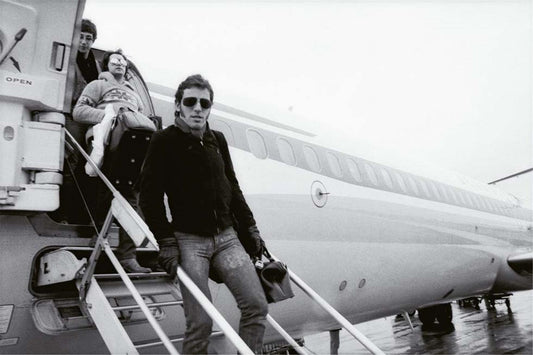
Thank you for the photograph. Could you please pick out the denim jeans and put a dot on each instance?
(225, 254)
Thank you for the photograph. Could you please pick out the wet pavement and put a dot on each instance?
(493, 331)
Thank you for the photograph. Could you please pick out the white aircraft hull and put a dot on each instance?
(368, 258)
(369, 243)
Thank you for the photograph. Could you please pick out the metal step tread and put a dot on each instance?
(149, 305)
(177, 339)
(139, 275)
(146, 287)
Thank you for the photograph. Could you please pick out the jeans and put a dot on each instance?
(225, 254)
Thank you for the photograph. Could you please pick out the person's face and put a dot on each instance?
(117, 65)
(195, 107)
(86, 42)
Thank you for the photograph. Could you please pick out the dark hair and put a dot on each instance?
(193, 81)
(107, 55)
(88, 26)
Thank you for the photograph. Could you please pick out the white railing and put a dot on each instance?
(334, 313)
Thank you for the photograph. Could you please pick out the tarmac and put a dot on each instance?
(500, 330)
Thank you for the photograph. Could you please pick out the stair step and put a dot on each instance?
(146, 287)
(138, 275)
(150, 305)
(151, 343)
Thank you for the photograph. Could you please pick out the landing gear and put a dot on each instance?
(334, 341)
(427, 315)
(444, 314)
(469, 302)
(441, 312)
(492, 299)
(490, 303)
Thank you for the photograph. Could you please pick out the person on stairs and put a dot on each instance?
(97, 104)
(191, 164)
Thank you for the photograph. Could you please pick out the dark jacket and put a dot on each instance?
(80, 80)
(198, 178)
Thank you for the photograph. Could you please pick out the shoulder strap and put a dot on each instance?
(221, 146)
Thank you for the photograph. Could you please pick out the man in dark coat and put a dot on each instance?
(72, 206)
(191, 164)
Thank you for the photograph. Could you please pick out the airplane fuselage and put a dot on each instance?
(373, 239)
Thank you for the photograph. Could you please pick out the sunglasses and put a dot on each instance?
(191, 102)
(118, 62)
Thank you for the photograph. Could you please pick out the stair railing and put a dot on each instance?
(334, 313)
(133, 224)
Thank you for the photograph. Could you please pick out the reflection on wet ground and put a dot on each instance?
(495, 331)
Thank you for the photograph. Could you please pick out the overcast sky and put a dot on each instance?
(449, 82)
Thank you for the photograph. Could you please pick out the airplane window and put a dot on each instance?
(435, 190)
(461, 197)
(444, 193)
(478, 201)
(387, 178)
(424, 188)
(371, 174)
(257, 144)
(506, 209)
(475, 202)
(334, 164)
(469, 200)
(311, 158)
(286, 152)
(485, 203)
(354, 170)
(224, 128)
(454, 196)
(412, 184)
(400, 181)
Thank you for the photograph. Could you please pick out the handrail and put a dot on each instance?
(299, 349)
(90, 161)
(102, 243)
(214, 313)
(93, 259)
(334, 313)
(118, 198)
(138, 298)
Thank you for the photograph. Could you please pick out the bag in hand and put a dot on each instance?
(135, 120)
(128, 120)
(275, 280)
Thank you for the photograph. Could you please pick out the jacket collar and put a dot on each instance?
(200, 134)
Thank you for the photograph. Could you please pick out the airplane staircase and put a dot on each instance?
(96, 290)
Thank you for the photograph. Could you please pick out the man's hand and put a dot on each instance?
(169, 255)
(256, 242)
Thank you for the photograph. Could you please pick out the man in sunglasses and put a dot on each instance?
(190, 163)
